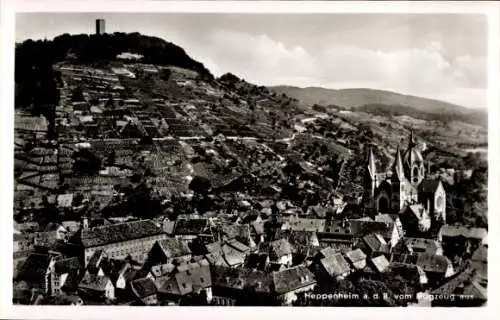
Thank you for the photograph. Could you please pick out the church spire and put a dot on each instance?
(372, 169)
(412, 142)
(397, 166)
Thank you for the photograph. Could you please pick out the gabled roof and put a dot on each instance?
(94, 282)
(375, 242)
(34, 268)
(190, 227)
(380, 263)
(66, 265)
(429, 186)
(119, 232)
(335, 265)
(418, 210)
(292, 279)
(143, 288)
(355, 255)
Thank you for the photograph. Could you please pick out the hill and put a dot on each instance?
(34, 59)
(385, 103)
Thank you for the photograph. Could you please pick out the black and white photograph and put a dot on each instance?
(250, 159)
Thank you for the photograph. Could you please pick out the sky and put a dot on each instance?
(440, 56)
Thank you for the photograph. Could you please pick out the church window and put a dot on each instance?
(415, 175)
(439, 202)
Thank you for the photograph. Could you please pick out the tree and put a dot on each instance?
(200, 185)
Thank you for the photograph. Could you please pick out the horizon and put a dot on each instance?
(439, 61)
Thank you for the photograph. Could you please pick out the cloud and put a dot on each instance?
(423, 70)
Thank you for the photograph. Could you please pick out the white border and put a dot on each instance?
(10, 7)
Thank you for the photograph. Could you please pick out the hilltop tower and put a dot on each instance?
(100, 26)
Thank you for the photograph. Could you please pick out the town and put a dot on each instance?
(155, 185)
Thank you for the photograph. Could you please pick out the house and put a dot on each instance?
(460, 238)
(356, 229)
(191, 229)
(65, 200)
(233, 257)
(190, 279)
(257, 261)
(168, 250)
(64, 275)
(374, 243)
(357, 258)
(288, 283)
(145, 291)
(465, 284)
(416, 219)
(280, 252)
(306, 224)
(95, 287)
(432, 194)
(94, 265)
(380, 263)
(35, 271)
(241, 286)
(419, 245)
(437, 268)
(134, 239)
(410, 272)
(335, 266)
(479, 261)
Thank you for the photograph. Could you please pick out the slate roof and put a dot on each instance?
(34, 268)
(190, 227)
(143, 288)
(292, 279)
(66, 265)
(107, 234)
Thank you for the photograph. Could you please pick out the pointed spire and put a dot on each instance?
(397, 166)
(412, 142)
(372, 169)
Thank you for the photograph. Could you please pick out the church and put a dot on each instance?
(404, 189)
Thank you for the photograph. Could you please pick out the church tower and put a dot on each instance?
(398, 181)
(370, 182)
(413, 162)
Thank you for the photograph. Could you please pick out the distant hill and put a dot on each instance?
(384, 102)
